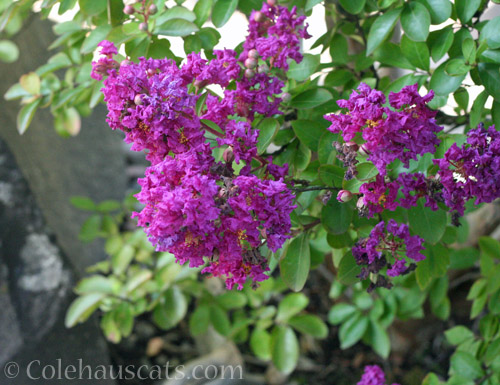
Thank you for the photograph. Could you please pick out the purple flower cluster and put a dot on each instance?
(471, 171)
(275, 32)
(373, 375)
(199, 209)
(387, 246)
(403, 132)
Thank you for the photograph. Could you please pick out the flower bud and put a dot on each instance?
(271, 3)
(143, 27)
(360, 204)
(344, 196)
(286, 97)
(263, 68)
(251, 63)
(128, 10)
(228, 155)
(151, 72)
(125, 62)
(138, 100)
(253, 53)
(363, 150)
(259, 17)
(152, 9)
(352, 146)
(249, 73)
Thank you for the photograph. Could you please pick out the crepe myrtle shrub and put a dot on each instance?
(354, 157)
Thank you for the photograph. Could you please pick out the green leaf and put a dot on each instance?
(331, 175)
(9, 52)
(469, 50)
(290, 305)
(68, 122)
(348, 270)
(260, 343)
(82, 308)
(309, 324)
(16, 91)
(431, 379)
(440, 10)
(366, 171)
(177, 27)
(295, 262)
(220, 320)
(458, 334)
(477, 109)
(92, 7)
(25, 116)
(429, 224)
(441, 42)
(222, 11)
(311, 98)
(109, 205)
(465, 365)
(232, 300)
(443, 84)
(309, 132)
(340, 312)
(490, 76)
(268, 129)
(389, 54)
(381, 29)
(353, 330)
(202, 11)
(353, 6)
(490, 34)
(488, 326)
(336, 217)
(176, 12)
(303, 70)
(379, 339)
(98, 284)
(95, 37)
(124, 318)
(416, 53)
(466, 9)
(434, 265)
(310, 4)
(284, 348)
(416, 21)
(171, 310)
(200, 320)
(122, 260)
(456, 67)
(83, 203)
(31, 83)
(302, 157)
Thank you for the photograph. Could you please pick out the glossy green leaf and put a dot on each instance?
(260, 343)
(381, 29)
(416, 21)
(379, 339)
(83, 203)
(457, 67)
(199, 320)
(311, 98)
(171, 310)
(348, 270)
(465, 365)
(98, 284)
(458, 334)
(469, 50)
(202, 10)
(426, 223)
(176, 12)
(417, 53)
(340, 312)
(440, 42)
(353, 330)
(9, 52)
(82, 308)
(291, 305)
(309, 132)
(95, 37)
(268, 129)
(303, 70)
(336, 217)
(92, 7)
(222, 11)
(466, 9)
(490, 34)
(177, 27)
(295, 262)
(490, 76)
(440, 10)
(353, 6)
(389, 54)
(443, 84)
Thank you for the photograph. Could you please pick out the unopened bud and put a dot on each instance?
(271, 3)
(259, 17)
(352, 145)
(152, 9)
(138, 100)
(143, 27)
(253, 53)
(251, 63)
(125, 62)
(249, 73)
(128, 10)
(360, 204)
(228, 155)
(363, 150)
(151, 72)
(286, 97)
(344, 196)
(263, 68)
